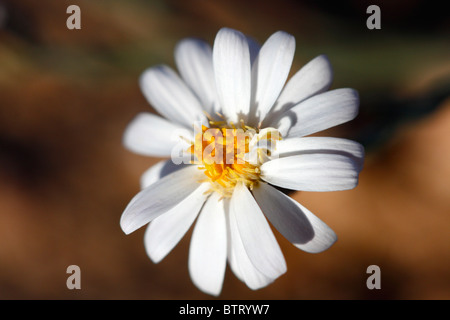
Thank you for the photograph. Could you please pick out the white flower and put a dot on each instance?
(241, 88)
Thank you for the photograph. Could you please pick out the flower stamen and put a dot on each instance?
(223, 153)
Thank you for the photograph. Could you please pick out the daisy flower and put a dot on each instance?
(237, 132)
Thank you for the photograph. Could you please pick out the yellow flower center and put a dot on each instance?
(228, 155)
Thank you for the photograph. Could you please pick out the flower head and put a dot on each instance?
(236, 130)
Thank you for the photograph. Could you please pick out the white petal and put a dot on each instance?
(158, 171)
(312, 172)
(314, 77)
(232, 249)
(231, 59)
(151, 135)
(308, 145)
(318, 113)
(297, 224)
(270, 71)
(208, 249)
(239, 261)
(164, 232)
(194, 61)
(170, 96)
(159, 198)
(257, 238)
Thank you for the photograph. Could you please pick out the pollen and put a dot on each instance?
(228, 154)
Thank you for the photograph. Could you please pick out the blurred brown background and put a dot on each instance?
(65, 178)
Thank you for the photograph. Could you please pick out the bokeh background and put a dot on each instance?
(66, 97)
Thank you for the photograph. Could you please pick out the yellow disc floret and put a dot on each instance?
(228, 155)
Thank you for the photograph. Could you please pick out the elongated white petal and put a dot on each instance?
(170, 96)
(318, 113)
(270, 71)
(239, 261)
(312, 172)
(159, 198)
(231, 59)
(313, 78)
(319, 145)
(232, 251)
(151, 135)
(158, 171)
(257, 238)
(297, 224)
(194, 61)
(208, 249)
(165, 231)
